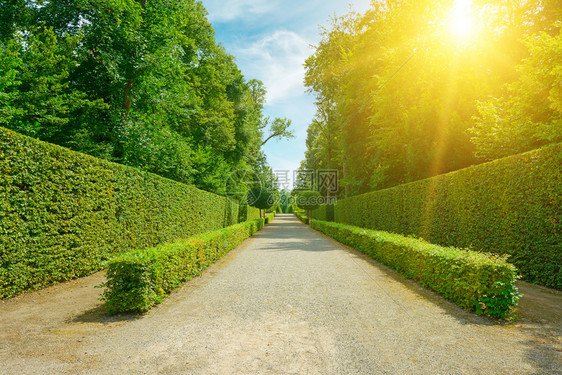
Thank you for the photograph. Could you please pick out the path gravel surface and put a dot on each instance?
(287, 301)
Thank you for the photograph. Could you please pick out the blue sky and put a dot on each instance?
(270, 40)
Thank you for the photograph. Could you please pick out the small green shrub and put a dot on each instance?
(479, 282)
(138, 280)
(510, 206)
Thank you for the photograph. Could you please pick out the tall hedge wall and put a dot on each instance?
(248, 213)
(325, 213)
(63, 213)
(253, 213)
(508, 206)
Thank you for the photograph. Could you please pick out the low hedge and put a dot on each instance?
(63, 213)
(480, 282)
(138, 280)
(509, 206)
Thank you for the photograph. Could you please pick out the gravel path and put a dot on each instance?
(288, 301)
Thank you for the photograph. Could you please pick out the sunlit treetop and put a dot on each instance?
(461, 22)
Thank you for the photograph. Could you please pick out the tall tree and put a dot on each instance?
(139, 82)
(399, 92)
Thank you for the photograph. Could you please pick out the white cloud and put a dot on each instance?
(226, 11)
(277, 59)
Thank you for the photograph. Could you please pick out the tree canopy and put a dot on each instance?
(138, 82)
(402, 94)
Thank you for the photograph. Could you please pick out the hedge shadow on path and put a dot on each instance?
(100, 314)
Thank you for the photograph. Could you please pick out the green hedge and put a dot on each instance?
(325, 213)
(62, 213)
(253, 213)
(479, 282)
(140, 279)
(302, 217)
(509, 206)
(269, 217)
(248, 213)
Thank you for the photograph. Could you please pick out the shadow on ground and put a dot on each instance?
(100, 314)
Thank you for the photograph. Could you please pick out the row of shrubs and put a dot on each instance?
(480, 282)
(510, 206)
(140, 279)
(62, 213)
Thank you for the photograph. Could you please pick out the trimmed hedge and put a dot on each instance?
(302, 217)
(325, 213)
(510, 206)
(141, 279)
(248, 213)
(269, 217)
(484, 283)
(253, 213)
(62, 213)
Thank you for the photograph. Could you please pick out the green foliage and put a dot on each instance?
(280, 128)
(35, 94)
(509, 206)
(308, 200)
(138, 280)
(522, 119)
(62, 213)
(260, 197)
(269, 218)
(142, 83)
(325, 213)
(398, 98)
(253, 213)
(248, 213)
(478, 282)
(284, 201)
(302, 217)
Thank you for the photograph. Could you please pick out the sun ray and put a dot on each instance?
(461, 21)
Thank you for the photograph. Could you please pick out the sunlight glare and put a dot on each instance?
(461, 21)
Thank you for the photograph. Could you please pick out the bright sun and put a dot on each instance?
(461, 21)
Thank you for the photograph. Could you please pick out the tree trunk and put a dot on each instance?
(344, 170)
